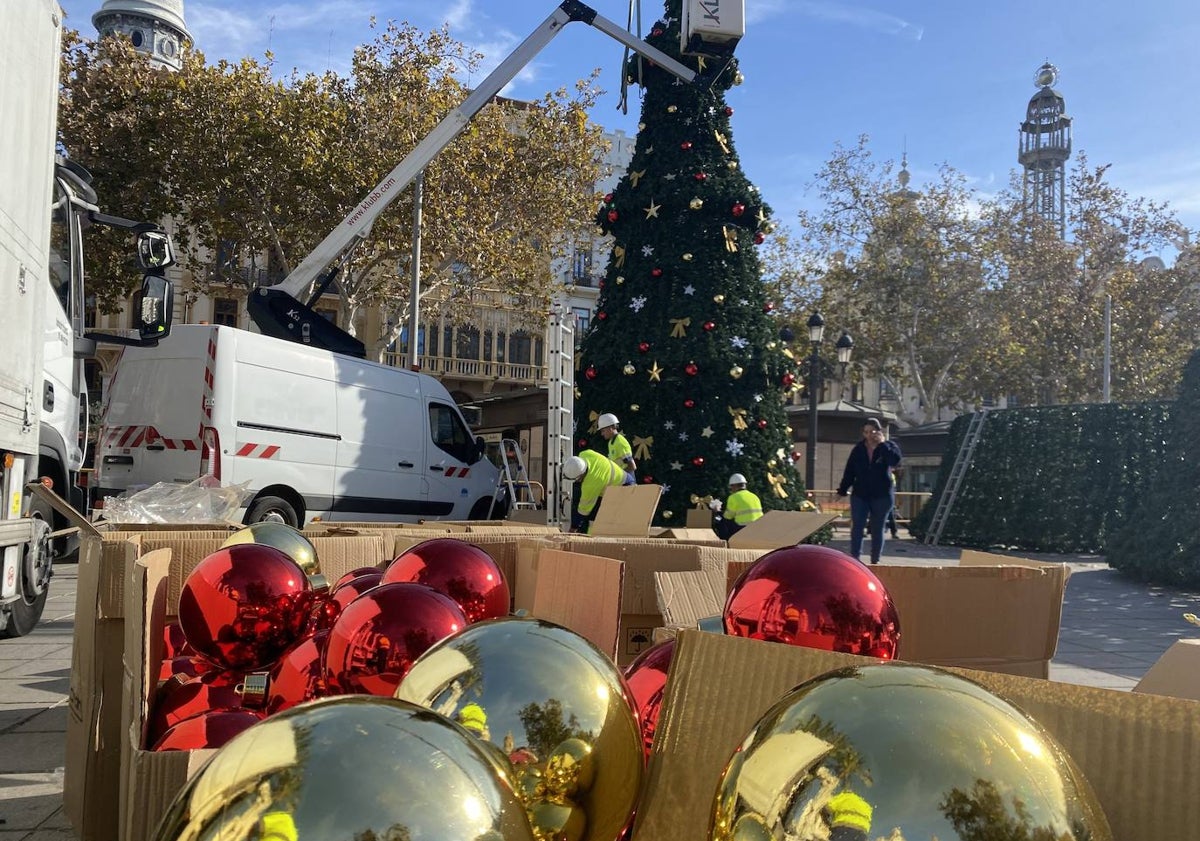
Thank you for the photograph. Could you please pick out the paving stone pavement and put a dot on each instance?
(1113, 630)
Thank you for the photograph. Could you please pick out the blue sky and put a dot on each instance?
(948, 80)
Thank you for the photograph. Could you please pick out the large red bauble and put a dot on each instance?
(691, 369)
(299, 675)
(643, 347)
(243, 605)
(814, 597)
(209, 729)
(378, 636)
(647, 678)
(180, 699)
(347, 592)
(353, 574)
(612, 216)
(738, 209)
(590, 372)
(458, 569)
(175, 644)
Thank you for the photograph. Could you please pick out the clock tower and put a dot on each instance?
(155, 27)
(1045, 145)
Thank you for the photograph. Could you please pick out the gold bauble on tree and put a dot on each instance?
(630, 369)
(350, 767)
(696, 203)
(736, 371)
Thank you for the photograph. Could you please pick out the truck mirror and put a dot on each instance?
(157, 303)
(154, 250)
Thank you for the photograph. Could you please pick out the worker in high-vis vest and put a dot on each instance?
(618, 445)
(598, 473)
(473, 717)
(278, 826)
(849, 817)
(741, 509)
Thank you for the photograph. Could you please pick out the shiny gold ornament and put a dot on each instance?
(901, 751)
(668, 515)
(687, 258)
(696, 203)
(556, 705)
(283, 537)
(738, 78)
(772, 462)
(350, 767)
(718, 299)
(620, 280)
(771, 345)
(671, 109)
(736, 372)
(630, 369)
(641, 126)
(634, 407)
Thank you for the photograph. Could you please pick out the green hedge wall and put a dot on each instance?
(1053, 478)
(1161, 542)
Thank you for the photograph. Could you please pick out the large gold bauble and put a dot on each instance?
(901, 751)
(283, 537)
(556, 705)
(345, 768)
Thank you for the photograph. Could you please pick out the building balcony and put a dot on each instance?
(476, 370)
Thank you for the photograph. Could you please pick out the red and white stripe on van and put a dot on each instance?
(457, 472)
(132, 437)
(257, 451)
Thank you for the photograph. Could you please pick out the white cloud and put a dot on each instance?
(871, 19)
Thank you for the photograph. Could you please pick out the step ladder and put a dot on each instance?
(958, 471)
(514, 479)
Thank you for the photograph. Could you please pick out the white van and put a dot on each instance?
(315, 433)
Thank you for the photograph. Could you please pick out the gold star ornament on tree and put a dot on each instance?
(652, 210)
(654, 372)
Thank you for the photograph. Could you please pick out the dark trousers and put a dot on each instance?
(725, 529)
(868, 514)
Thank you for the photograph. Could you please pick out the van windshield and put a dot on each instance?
(450, 434)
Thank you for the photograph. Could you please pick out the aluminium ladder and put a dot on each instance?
(560, 412)
(514, 478)
(962, 463)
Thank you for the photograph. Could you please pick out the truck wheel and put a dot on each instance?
(480, 510)
(273, 509)
(24, 613)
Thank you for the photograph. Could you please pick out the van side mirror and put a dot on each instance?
(154, 250)
(480, 448)
(157, 304)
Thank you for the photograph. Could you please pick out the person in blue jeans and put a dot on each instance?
(868, 480)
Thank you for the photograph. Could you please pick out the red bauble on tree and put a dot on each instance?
(689, 403)
(299, 675)
(612, 216)
(759, 237)
(700, 176)
(244, 605)
(769, 307)
(762, 423)
(685, 145)
(797, 455)
(788, 379)
(647, 480)
(814, 597)
(738, 209)
(691, 369)
(698, 461)
(709, 326)
(656, 272)
(728, 111)
(378, 636)
(207, 730)
(647, 678)
(602, 315)
(656, 31)
(608, 197)
(582, 443)
(643, 347)
(460, 570)
(590, 372)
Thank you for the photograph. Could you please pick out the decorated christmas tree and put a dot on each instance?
(683, 347)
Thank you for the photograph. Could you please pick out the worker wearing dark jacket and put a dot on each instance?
(868, 479)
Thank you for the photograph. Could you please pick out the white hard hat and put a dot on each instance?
(574, 467)
(606, 420)
(737, 479)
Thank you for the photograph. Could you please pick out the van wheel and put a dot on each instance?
(272, 509)
(24, 613)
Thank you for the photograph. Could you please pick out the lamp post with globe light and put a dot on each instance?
(845, 347)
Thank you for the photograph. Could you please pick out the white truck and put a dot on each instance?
(45, 205)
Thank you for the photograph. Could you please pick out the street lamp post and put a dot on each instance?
(845, 346)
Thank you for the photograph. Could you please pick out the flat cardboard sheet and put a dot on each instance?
(580, 592)
(1176, 674)
(699, 518)
(689, 596)
(626, 511)
(780, 528)
(1138, 751)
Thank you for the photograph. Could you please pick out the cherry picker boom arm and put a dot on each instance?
(278, 312)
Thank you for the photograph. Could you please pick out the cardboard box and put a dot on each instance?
(699, 518)
(562, 577)
(776, 529)
(626, 511)
(1176, 674)
(995, 618)
(1137, 751)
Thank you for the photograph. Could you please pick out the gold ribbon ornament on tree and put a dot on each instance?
(679, 327)
(739, 417)
(701, 501)
(619, 254)
(592, 418)
(730, 238)
(777, 482)
(641, 447)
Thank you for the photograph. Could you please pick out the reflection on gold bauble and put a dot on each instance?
(720, 299)
(556, 704)
(736, 371)
(350, 767)
(668, 515)
(687, 258)
(902, 751)
(283, 537)
(696, 203)
(629, 369)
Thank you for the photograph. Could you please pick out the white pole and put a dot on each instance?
(1108, 348)
(414, 294)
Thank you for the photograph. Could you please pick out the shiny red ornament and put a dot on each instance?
(590, 372)
(689, 403)
(656, 272)
(698, 461)
(685, 145)
(643, 347)
(343, 594)
(788, 379)
(206, 730)
(324, 613)
(378, 636)
(582, 442)
(814, 597)
(608, 197)
(656, 31)
(647, 480)
(647, 678)
(709, 326)
(759, 237)
(728, 111)
(797, 455)
(244, 605)
(700, 176)
(602, 315)
(612, 216)
(299, 675)
(355, 573)
(738, 209)
(691, 369)
(769, 306)
(175, 644)
(460, 570)
(181, 698)
(186, 666)
(762, 423)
